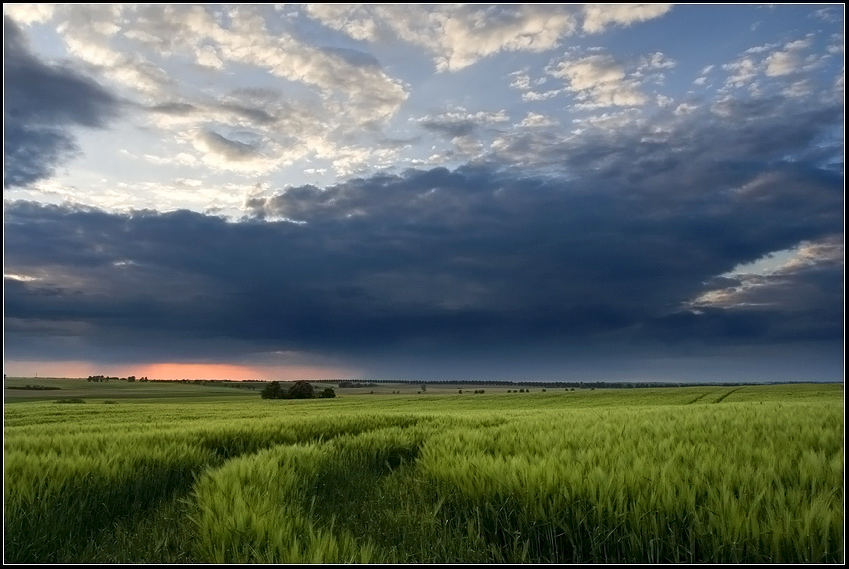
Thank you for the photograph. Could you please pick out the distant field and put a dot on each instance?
(209, 473)
(208, 390)
(155, 390)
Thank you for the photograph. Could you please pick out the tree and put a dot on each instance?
(272, 391)
(301, 390)
(328, 393)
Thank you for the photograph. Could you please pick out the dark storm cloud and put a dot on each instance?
(436, 261)
(465, 263)
(41, 103)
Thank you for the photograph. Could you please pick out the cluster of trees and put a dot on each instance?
(131, 378)
(298, 390)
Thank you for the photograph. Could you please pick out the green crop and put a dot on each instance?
(667, 475)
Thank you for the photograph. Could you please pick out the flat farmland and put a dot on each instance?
(211, 473)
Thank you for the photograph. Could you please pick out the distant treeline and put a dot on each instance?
(99, 378)
(33, 387)
(359, 383)
(549, 384)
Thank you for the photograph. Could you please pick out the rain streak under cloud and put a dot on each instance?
(539, 192)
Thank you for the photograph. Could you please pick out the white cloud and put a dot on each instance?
(207, 57)
(589, 72)
(350, 160)
(456, 35)
(599, 16)
(790, 60)
(89, 31)
(787, 63)
(534, 120)
(536, 96)
(685, 109)
(610, 121)
(599, 81)
(741, 72)
(655, 61)
(470, 35)
(158, 160)
(348, 90)
(185, 159)
(837, 45)
(28, 14)
(460, 118)
(22, 278)
(783, 63)
(357, 21)
(831, 15)
(142, 76)
(798, 89)
(364, 93)
(760, 49)
(663, 101)
(521, 81)
(812, 252)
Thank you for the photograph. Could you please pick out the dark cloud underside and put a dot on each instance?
(441, 262)
(41, 103)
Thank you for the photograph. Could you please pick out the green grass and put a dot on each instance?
(697, 474)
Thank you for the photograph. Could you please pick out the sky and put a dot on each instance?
(637, 192)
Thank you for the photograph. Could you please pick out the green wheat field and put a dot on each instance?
(175, 473)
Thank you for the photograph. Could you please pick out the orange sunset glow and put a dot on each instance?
(171, 370)
(176, 370)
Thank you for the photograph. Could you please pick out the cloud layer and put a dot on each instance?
(465, 261)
